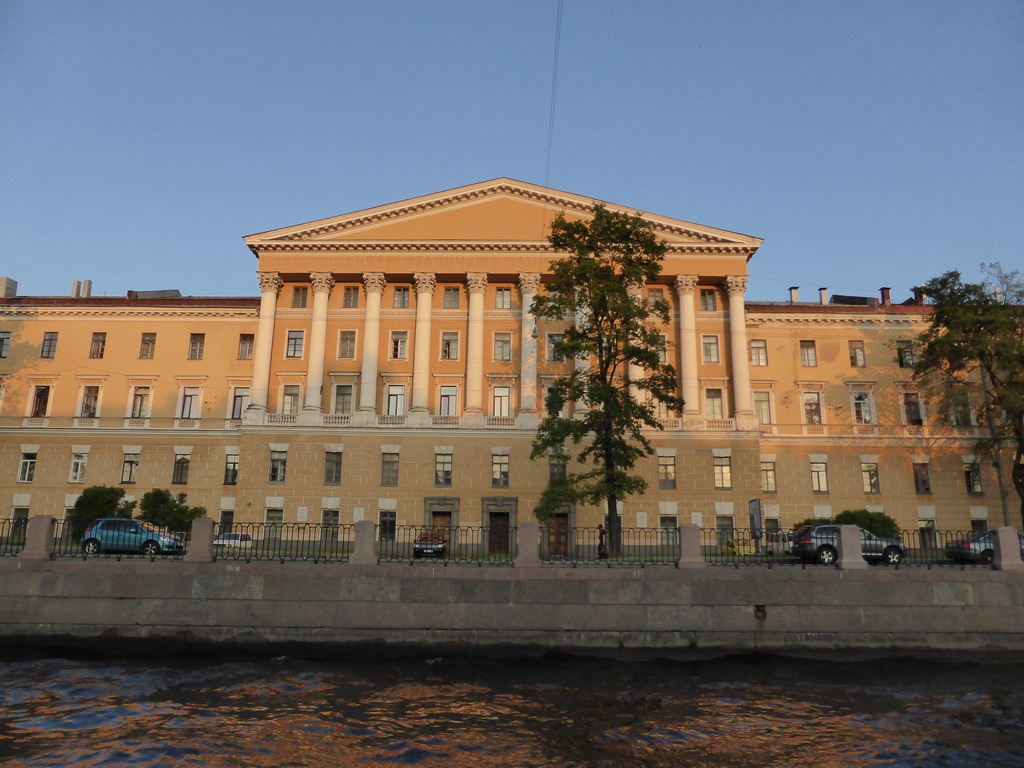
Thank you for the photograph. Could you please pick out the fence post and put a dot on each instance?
(1006, 550)
(689, 547)
(363, 551)
(528, 545)
(200, 545)
(38, 538)
(851, 557)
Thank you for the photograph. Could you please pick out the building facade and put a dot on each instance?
(390, 370)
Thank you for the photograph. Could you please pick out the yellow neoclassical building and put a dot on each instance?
(390, 371)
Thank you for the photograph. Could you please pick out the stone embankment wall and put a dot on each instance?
(363, 607)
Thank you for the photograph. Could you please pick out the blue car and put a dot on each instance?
(116, 534)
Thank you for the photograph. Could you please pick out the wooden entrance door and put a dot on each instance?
(558, 534)
(497, 540)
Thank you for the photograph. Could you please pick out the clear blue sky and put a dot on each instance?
(869, 143)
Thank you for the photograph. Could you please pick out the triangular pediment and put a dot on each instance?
(498, 211)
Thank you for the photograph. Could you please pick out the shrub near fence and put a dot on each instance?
(316, 542)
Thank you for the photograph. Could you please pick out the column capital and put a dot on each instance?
(529, 282)
(425, 282)
(321, 282)
(270, 282)
(374, 282)
(686, 284)
(476, 282)
(735, 284)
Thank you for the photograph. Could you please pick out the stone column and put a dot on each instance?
(322, 283)
(366, 414)
(270, 286)
(528, 417)
(419, 413)
(476, 287)
(686, 287)
(741, 397)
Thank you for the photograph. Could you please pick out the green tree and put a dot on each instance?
(598, 289)
(878, 523)
(971, 360)
(95, 502)
(160, 507)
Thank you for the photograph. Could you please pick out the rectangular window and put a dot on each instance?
(294, 346)
(667, 473)
(922, 478)
(905, 354)
(246, 343)
(763, 407)
(396, 400)
(869, 476)
(239, 401)
(189, 403)
(140, 403)
(387, 522)
(278, 466)
(662, 348)
(812, 407)
(857, 359)
(768, 477)
(557, 467)
(129, 467)
(147, 346)
(181, 464)
(449, 345)
(49, 345)
(347, 345)
(972, 476)
(655, 297)
(27, 470)
(503, 347)
(555, 355)
(389, 469)
(503, 298)
(912, 408)
(709, 347)
(230, 469)
(90, 400)
(350, 297)
(442, 470)
(708, 300)
(343, 398)
(332, 468)
(449, 401)
(758, 353)
(98, 345)
(862, 411)
(723, 472)
(300, 294)
(451, 297)
(499, 470)
(275, 522)
(196, 342)
(399, 344)
(808, 354)
(961, 415)
(40, 401)
(819, 477)
(290, 399)
(78, 462)
(401, 297)
(5, 343)
(501, 402)
(714, 408)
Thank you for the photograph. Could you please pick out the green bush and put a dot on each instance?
(95, 502)
(161, 508)
(878, 523)
(812, 521)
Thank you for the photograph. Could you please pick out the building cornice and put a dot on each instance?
(447, 246)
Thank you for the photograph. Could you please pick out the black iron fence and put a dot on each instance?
(284, 542)
(157, 543)
(633, 547)
(12, 536)
(462, 544)
(745, 546)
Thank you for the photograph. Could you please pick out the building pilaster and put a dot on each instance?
(270, 286)
(686, 287)
(321, 283)
(744, 410)
(476, 287)
(366, 414)
(529, 285)
(419, 414)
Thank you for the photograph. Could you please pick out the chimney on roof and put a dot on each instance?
(918, 295)
(8, 288)
(823, 295)
(886, 299)
(794, 293)
(76, 289)
(86, 289)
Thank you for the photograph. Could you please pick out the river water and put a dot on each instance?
(750, 711)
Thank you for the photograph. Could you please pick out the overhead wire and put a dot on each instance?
(554, 90)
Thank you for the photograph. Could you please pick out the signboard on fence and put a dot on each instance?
(754, 508)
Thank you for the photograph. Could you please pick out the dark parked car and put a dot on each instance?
(820, 543)
(976, 549)
(430, 543)
(117, 534)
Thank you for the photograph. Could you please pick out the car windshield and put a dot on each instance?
(430, 538)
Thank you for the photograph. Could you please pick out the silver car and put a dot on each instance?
(820, 544)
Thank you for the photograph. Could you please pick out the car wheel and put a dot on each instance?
(987, 557)
(827, 555)
(91, 547)
(150, 548)
(892, 556)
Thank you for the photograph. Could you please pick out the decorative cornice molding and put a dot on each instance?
(121, 312)
(443, 247)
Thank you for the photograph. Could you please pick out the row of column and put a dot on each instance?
(425, 283)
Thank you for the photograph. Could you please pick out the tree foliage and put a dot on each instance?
(878, 523)
(95, 502)
(597, 288)
(160, 507)
(971, 359)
